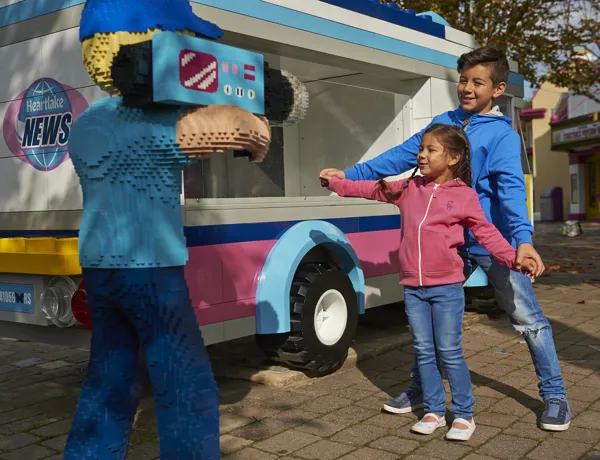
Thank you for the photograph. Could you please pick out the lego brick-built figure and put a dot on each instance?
(131, 243)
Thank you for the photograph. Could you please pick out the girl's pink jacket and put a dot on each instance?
(433, 220)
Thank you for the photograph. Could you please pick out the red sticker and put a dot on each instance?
(250, 70)
(198, 71)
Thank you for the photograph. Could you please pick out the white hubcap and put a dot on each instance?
(331, 317)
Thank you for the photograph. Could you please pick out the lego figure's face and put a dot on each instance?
(100, 50)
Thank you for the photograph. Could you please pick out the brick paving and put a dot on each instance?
(339, 417)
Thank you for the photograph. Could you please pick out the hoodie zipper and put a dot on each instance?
(419, 235)
(465, 123)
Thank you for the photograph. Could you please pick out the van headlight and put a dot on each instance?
(56, 301)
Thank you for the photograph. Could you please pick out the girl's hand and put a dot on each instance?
(530, 268)
(526, 251)
(328, 173)
(332, 172)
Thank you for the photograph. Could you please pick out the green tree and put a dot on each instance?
(552, 40)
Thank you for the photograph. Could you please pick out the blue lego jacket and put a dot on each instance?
(130, 169)
(498, 175)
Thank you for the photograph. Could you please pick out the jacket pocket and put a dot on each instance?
(408, 255)
(436, 255)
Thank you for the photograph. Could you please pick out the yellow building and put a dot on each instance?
(547, 165)
(576, 129)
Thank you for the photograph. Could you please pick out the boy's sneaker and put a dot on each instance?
(406, 402)
(556, 416)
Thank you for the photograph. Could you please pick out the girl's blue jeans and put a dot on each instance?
(516, 297)
(435, 314)
(151, 308)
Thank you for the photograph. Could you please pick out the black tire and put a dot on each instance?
(482, 300)
(301, 348)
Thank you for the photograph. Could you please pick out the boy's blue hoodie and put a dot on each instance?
(498, 175)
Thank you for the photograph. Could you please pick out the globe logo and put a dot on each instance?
(38, 122)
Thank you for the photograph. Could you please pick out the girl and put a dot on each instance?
(434, 208)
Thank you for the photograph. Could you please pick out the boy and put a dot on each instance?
(498, 180)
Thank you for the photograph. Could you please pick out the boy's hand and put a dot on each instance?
(332, 172)
(527, 251)
(529, 268)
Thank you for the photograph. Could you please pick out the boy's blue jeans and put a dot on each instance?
(435, 314)
(150, 307)
(516, 297)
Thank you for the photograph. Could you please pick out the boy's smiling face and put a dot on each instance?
(476, 89)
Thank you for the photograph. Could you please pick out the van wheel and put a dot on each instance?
(324, 316)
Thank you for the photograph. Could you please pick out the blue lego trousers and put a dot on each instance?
(151, 308)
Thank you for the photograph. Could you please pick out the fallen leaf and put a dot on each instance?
(502, 352)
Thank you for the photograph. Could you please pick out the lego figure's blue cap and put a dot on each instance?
(105, 16)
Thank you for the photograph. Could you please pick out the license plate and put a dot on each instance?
(17, 298)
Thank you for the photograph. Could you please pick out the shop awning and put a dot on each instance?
(576, 133)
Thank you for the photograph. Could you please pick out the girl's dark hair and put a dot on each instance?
(455, 142)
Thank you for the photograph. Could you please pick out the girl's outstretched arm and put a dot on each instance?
(369, 189)
(486, 233)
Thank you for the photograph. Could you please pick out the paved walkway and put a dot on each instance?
(339, 417)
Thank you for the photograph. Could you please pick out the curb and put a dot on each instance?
(276, 376)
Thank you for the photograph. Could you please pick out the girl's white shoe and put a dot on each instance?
(457, 434)
(429, 427)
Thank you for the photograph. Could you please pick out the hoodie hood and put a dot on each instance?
(451, 183)
(493, 115)
(495, 112)
(454, 183)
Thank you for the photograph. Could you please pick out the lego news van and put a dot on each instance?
(271, 253)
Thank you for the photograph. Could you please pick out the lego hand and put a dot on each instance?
(527, 251)
(221, 128)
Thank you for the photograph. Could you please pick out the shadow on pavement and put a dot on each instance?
(570, 297)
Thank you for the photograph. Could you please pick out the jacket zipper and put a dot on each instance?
(466, 123)
(419, 236)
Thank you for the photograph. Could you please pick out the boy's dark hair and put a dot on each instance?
(455, 142)
(488, 56)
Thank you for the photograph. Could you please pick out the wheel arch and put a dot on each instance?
(477, 279)
(275, 280)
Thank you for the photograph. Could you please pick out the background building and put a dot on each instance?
(548, 165)
(575, 127)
